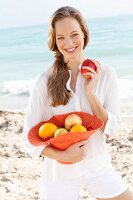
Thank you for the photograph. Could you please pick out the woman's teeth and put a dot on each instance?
(71, 49)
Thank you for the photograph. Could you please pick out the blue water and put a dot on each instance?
(24, 54)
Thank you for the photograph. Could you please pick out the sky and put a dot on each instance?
(28, 12)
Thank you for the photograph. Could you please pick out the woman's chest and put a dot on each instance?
(77, 103)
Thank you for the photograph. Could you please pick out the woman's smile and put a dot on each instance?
(71, 50)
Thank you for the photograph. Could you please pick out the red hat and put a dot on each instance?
(62, 142)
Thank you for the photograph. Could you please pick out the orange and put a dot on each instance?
(78, 128)
(47, 130)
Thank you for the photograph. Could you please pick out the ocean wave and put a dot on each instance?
(17, 87)
(23, 87)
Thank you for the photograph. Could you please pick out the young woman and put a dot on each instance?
(63, 89)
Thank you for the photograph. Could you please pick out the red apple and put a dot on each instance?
(72, 120)
(88, 63)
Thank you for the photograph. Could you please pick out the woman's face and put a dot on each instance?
(69, 38)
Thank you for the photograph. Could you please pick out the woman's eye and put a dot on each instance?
(75, 34)
(60, 38)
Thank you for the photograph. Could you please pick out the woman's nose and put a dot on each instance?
(69, 42)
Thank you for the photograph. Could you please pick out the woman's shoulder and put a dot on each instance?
(40, 82)
(42, 77)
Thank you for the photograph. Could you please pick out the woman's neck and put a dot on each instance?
(73, 64)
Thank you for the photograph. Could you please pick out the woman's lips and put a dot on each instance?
(70, 49)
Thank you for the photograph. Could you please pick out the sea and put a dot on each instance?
(24, 54)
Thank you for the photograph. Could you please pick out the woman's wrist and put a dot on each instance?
(90, 93)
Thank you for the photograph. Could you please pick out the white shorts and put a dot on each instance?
(103, 184)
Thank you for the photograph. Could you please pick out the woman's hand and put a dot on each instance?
(90, 85)
(74, 153)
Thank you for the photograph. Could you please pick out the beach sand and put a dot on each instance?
(19, 175)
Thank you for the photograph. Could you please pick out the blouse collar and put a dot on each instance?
(69, 80)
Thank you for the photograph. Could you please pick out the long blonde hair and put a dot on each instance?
(56, 84)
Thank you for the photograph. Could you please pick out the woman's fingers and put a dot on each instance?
(95, 61)
(89, 69)
(77, 145)
(98, 65)
(83, 150)
(82, 143)
(89, 74)
(77, 151)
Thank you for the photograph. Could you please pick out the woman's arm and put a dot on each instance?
(90, 85)
(75, 153)
(109, 112)
(97, 109)
(37, 111)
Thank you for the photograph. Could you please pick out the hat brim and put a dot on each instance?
(62, 142)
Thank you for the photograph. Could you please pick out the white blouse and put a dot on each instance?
(40, 110)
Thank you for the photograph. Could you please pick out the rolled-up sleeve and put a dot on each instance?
(112, 106)
(37, 111)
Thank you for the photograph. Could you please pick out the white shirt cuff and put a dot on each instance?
(111, 126)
